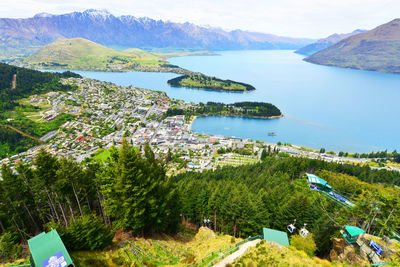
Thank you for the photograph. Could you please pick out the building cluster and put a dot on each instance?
(105, 114)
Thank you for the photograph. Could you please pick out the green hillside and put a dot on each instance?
(13, 110)
(132, 197)
(82, 54)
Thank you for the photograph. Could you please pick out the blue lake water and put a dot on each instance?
(338, 109)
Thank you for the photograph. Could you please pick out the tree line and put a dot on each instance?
(87, 201)
(240, 109)
(240, 201)
(129, 191)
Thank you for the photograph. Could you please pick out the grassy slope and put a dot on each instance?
(80, 53)
(198, 245)
(375, 50)
(268, 254)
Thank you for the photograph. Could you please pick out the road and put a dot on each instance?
(237, 254)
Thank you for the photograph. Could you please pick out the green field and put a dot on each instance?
(237, 160)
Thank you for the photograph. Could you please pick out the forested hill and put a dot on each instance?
(201, 81)
(240, 201)
(28, 82)
(239, 109)
(17, 83)
(131, 191)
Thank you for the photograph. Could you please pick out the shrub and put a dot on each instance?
(9, 247)
(85, 233)
(305, 244)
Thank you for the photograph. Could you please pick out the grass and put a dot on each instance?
(268, 254)
(102, 155)
(237, 160)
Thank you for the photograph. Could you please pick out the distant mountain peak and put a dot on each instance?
(324, 43)
(43, 15)
(97, 12)
(127, 31)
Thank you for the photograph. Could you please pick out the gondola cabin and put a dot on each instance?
(375, 247)
(291, 228)
(48, 250)
(317, 183)
(352, 233)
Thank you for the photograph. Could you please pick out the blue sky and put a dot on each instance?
(297, 18)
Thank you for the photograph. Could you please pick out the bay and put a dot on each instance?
(338, 109)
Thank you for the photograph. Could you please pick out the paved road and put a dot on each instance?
(242, 249)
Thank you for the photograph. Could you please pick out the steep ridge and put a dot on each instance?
(326, 42)
(375, 50)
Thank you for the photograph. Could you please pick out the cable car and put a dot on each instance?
(303, 231)
(375, 247)
(291, 227)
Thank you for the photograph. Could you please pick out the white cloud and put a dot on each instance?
(298, 18)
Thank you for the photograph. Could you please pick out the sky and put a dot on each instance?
(295, 18)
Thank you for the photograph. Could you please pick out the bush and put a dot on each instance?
(305, 244)
(9, 247)
(85, 233)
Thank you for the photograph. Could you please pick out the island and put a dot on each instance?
(259, 110)
(201, 81)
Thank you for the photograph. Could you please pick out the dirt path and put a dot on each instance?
(24, 134)
(237, 254)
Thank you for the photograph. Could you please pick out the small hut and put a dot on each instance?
(318, 183)
(48, 250)
(352, 233)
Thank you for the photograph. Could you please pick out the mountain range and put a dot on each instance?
(376, 50)
(26, 35)
(323, 43)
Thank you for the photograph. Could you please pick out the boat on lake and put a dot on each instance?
(271, 134)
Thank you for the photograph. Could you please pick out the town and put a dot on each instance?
(105, 114)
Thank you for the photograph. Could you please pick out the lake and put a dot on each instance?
(338, 109)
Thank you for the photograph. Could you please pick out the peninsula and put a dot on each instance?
(201, 81)
(259, 110)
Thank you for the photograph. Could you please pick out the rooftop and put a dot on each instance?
(354, 230)
(317, 180)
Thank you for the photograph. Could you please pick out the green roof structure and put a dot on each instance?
(351, 233)
(276, 236)
(48, 250)
(353, 230)
(313, 179)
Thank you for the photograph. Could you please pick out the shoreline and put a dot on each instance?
(233, 116)
(239, 116)
(214, 90)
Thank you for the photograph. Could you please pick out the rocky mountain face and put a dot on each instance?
(376, 50)
(26, 35)
(323, 43)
